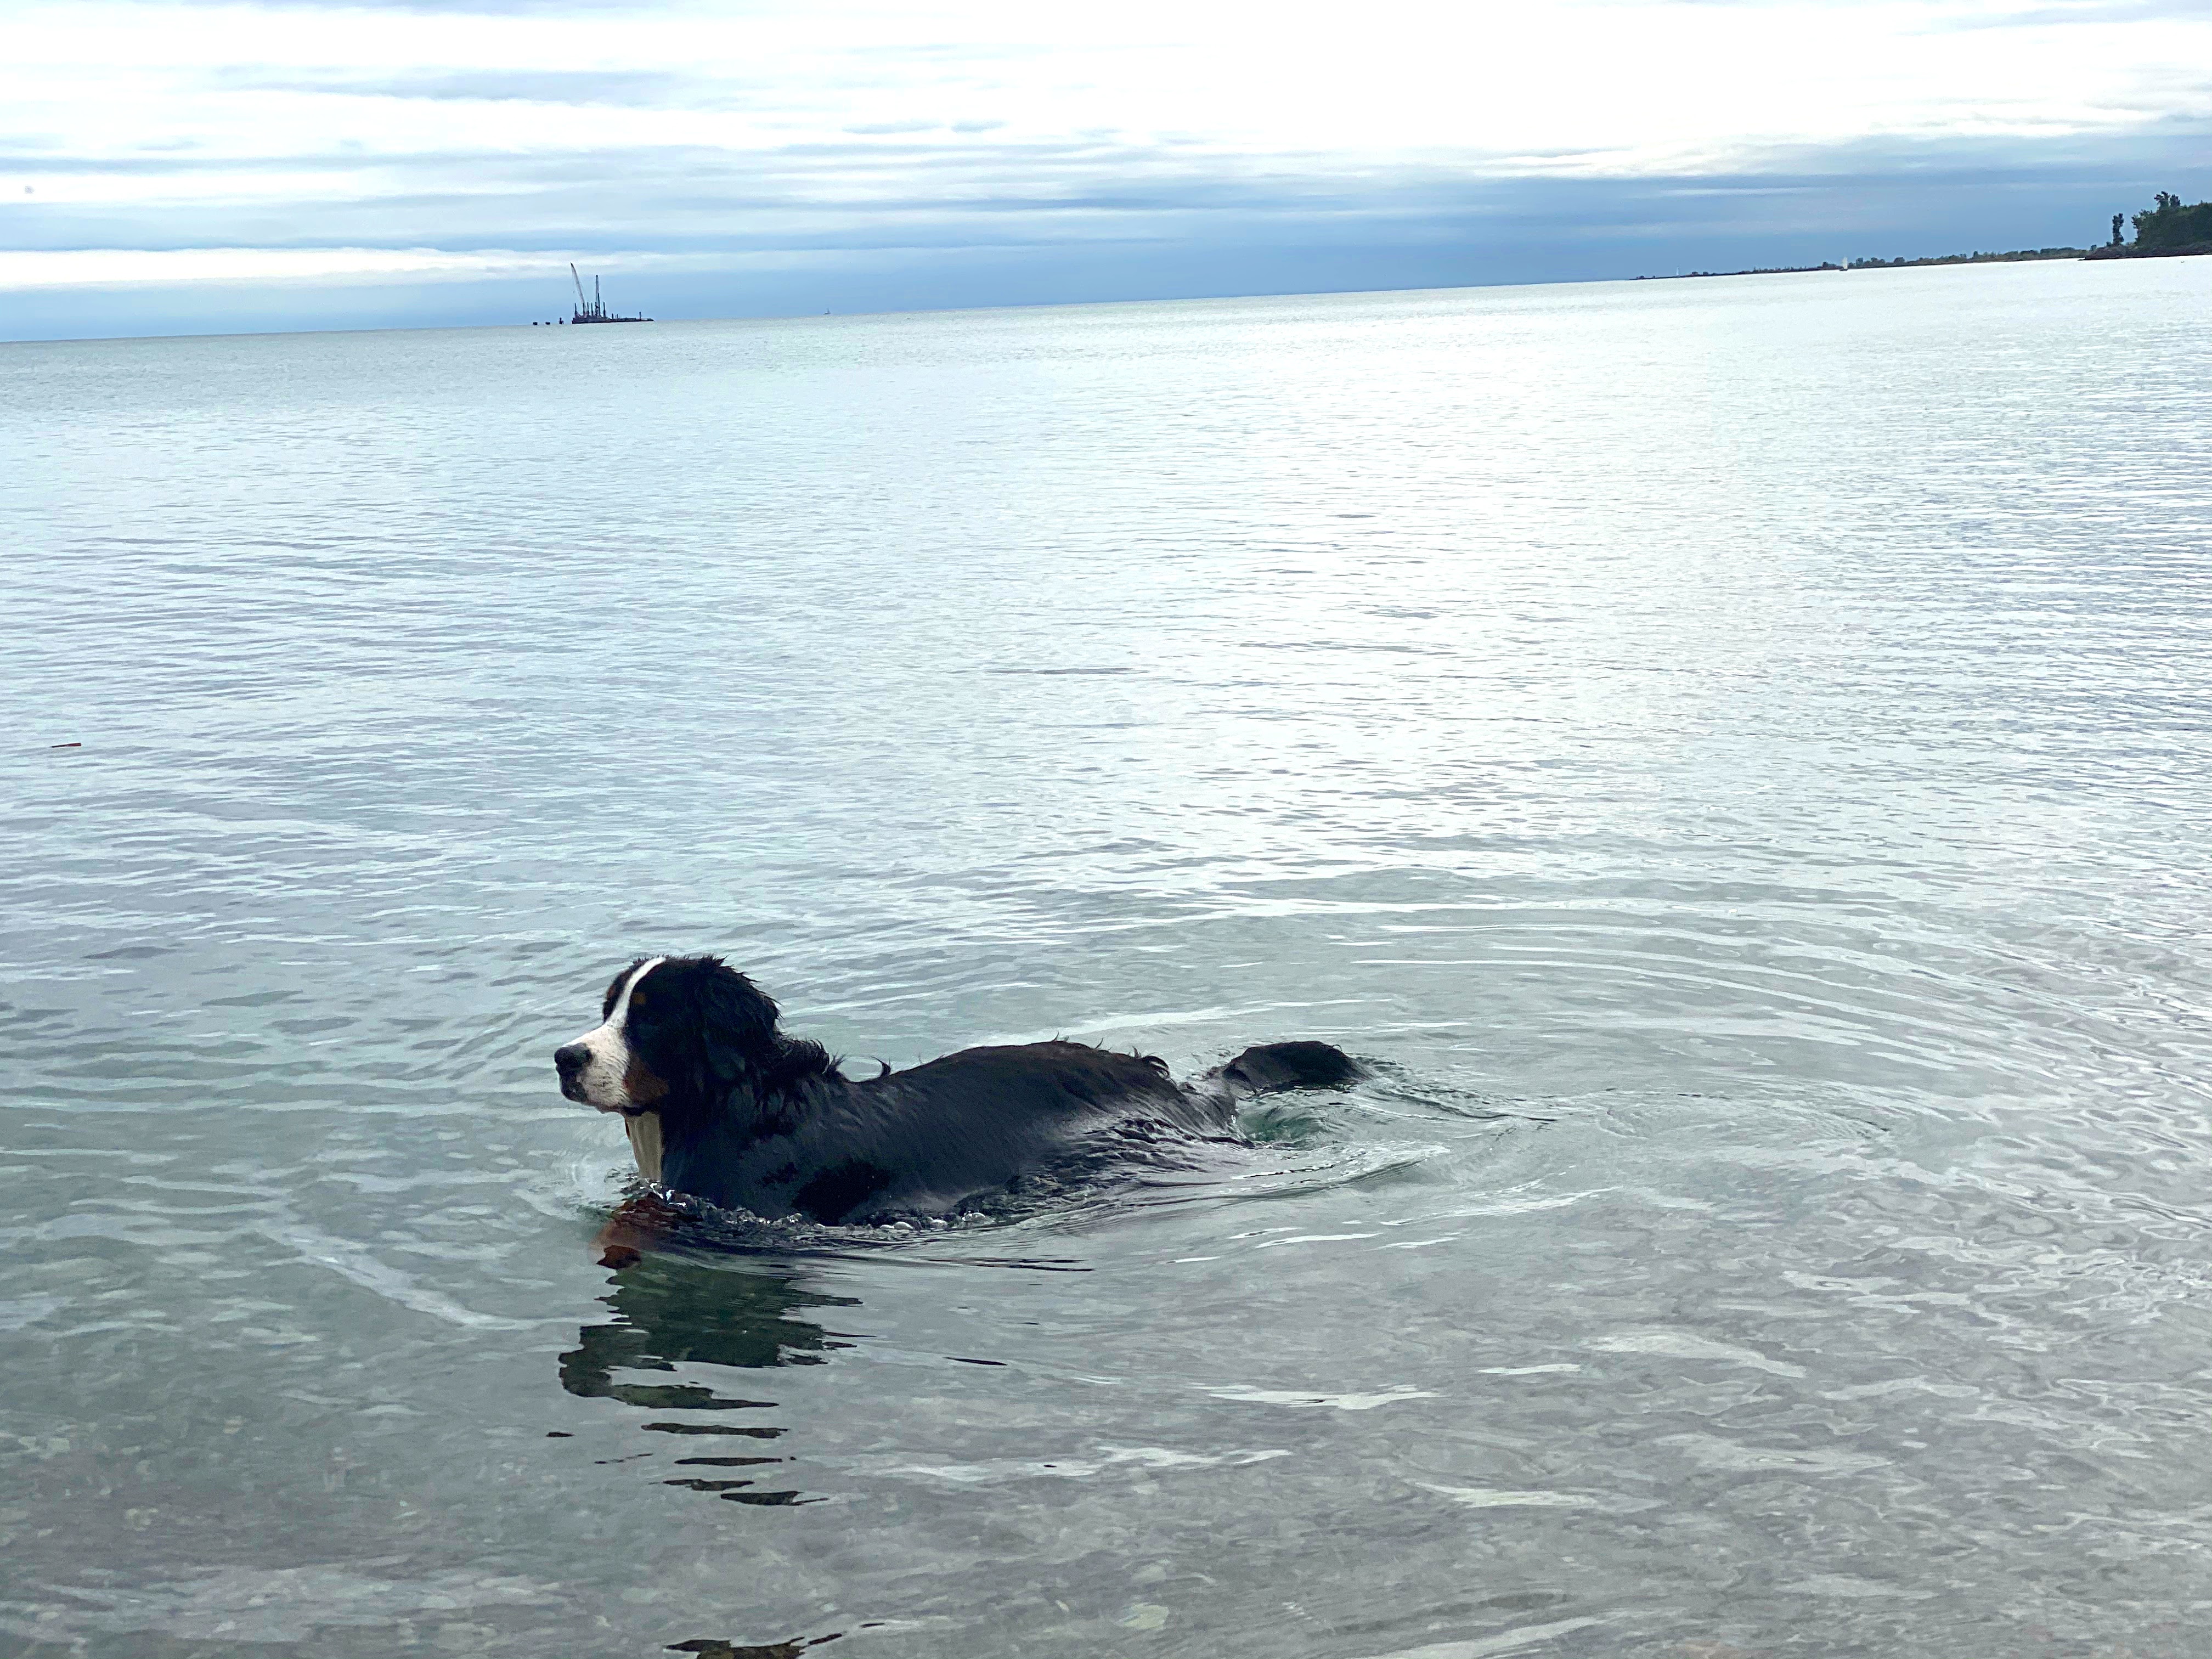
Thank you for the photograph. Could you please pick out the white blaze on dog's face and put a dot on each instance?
(604, 1078)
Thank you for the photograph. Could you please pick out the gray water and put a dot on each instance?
(1731, 755)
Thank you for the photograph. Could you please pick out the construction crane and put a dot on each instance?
(594, 310)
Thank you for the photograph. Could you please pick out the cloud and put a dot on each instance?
(71, 268)
(2041, 14)
(777, 137)
(571, 88)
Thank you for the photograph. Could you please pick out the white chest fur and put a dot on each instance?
(644, 1131)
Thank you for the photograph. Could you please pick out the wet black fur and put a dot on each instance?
(755, 1120)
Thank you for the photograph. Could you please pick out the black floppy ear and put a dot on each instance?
(737, 1026)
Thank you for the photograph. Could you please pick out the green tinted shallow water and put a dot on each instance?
(1732, 754)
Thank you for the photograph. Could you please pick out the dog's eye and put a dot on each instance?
(637, 999)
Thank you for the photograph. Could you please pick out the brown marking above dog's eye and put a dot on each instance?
(636, 1000)
(641, 1083)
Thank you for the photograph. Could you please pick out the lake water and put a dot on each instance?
(1733, 755)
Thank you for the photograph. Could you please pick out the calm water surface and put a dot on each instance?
(1733, 755)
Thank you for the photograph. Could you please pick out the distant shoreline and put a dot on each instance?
(2169, 229)
(2130, 251)
(2014, 257)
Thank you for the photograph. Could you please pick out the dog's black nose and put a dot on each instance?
(570, 1059)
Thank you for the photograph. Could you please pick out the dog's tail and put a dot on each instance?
(1269, 1068)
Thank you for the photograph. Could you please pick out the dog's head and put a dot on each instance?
(673, 1030)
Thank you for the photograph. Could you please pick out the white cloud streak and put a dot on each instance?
(300, 142)
(123, 267)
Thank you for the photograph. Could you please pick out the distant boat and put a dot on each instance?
(594, 310)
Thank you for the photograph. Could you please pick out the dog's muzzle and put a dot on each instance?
(569, 1060)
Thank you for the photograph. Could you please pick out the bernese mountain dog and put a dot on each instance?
(721, 1105)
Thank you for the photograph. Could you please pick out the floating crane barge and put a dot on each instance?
(594, 310)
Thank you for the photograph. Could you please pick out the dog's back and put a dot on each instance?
(928, 1141)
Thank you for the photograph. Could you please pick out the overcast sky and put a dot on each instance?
(179, 167)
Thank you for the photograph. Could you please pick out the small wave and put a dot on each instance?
(351, 1262)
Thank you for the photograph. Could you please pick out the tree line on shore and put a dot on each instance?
(2167, 227)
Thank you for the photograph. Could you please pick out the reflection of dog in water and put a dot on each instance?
(670, 1316)
(721, 1105)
